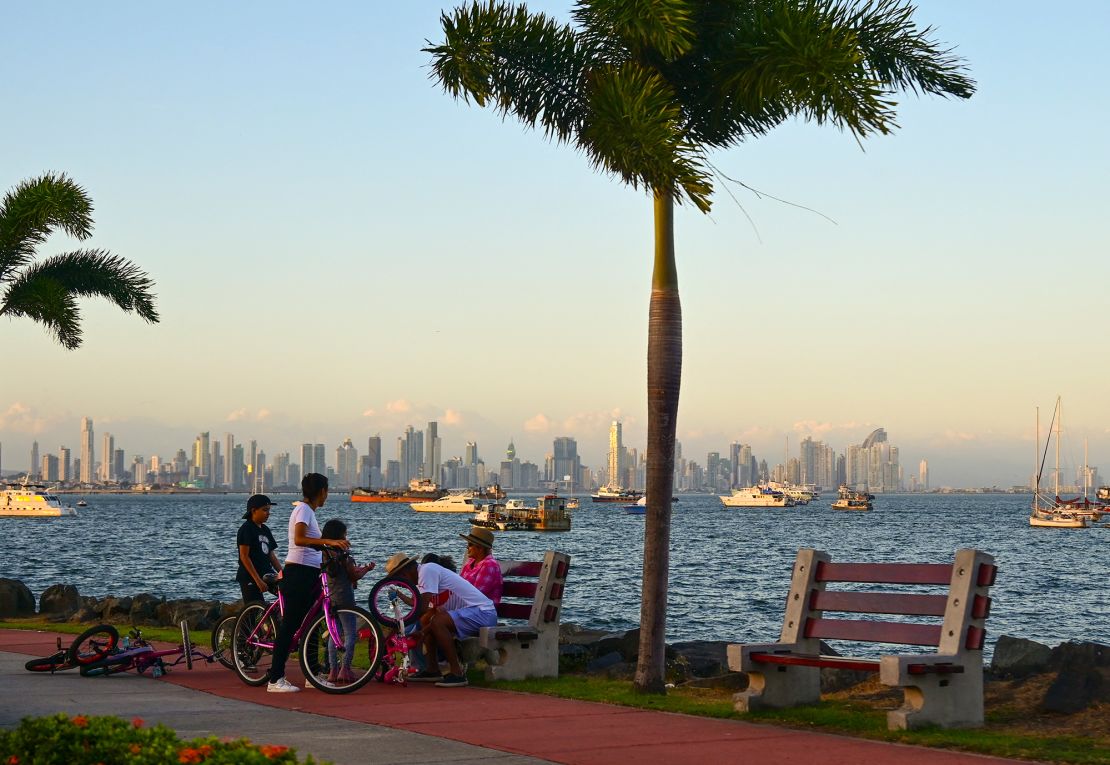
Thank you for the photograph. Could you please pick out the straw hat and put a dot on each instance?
(479, 536)
(396, 562)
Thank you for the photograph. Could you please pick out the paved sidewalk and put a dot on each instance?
(502, 728)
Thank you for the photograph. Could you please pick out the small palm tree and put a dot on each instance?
(47, 291)
(646, 89)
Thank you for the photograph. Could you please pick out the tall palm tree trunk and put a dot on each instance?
(663, 378)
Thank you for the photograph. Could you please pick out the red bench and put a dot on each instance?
(943, 688)
(525, 643)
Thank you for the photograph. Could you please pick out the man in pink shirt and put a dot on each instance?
(481, 569)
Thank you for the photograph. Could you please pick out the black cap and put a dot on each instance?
(256, 501)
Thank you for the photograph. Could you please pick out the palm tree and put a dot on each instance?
(47, 291)
(646, 89)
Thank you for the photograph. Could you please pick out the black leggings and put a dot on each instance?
(300, 586)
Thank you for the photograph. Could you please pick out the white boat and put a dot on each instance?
(82, 503)
(1052, 513)
(458, 502)
(1103, 493)
(757, 496)
(801, 494)
(31, 500)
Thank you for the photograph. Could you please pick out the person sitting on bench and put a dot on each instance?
(457, 608)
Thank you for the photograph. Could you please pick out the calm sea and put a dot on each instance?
(729, 567)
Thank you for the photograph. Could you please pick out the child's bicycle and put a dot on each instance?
(396, 603)
(89, 647)
(140, 655)
(325, 626)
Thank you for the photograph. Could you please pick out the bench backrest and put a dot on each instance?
(964, 608)
(533, 590)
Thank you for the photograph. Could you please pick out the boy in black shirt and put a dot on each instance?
(256, 550)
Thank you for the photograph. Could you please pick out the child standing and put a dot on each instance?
(343, 575)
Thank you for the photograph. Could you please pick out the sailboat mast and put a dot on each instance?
(1037, 460)
(1059, 422)
(1086, 471)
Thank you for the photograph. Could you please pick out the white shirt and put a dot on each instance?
(306, 556)
(435, 579)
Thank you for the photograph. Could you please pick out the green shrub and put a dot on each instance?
(81, 740)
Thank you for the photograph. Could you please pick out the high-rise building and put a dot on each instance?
(308, 464)
(565, 463)
(346, 465)
(616, 452)
(432, 451)
(49, 468)
(118, 468)
(238, 468)
(65, 465)
(410, 454)
(217, 465)
(138, 470)
(923, 475)
(319, 459)
(281, 470)
(107, 455)
(470, 454)
(36, 465)
(87, 455)
(373, 472)
(229, 473)
(202, 458)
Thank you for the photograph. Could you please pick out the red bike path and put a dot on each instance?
(559, 730)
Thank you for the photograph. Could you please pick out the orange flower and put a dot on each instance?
(273, 752)
(81, 721)
(137, 722)
(13, 760)
(206, 750)
(135, 749)
(188, 755)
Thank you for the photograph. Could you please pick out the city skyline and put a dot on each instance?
(496, 284)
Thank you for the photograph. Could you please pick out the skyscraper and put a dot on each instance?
(432, 452)
(107, 454)
(346, 464)
(616, 451)
(217, 466)
(36, 467)
(923, 475)
(87, 455)
(373, 475)
(319, 459)
(566, 463)
(307, 463)
(202, 458)
(65, 465)
(229, 472)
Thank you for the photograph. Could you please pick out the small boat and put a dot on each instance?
(1103, 493)
(549, 514)
(850, 499)
(637, 509)
(1055, 513)
(82, 503)
(572, 503)
(1056, 519)
(31, 500)
(757, 496)
(457, 502)
(611, 494)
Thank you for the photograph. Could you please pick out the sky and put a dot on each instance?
(341, 249)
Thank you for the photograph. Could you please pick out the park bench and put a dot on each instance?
(944, 688)
(527, 645)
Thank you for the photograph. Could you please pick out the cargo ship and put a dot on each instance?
(419, 490)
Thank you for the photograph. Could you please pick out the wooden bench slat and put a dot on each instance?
(517, 589)
(878, 603)
(514, 610)
(987, 574)
(873, 631)
(885, 573)
(981, 607)
(802, 660)
(525, 568)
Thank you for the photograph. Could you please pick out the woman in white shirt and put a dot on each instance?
(300, 581)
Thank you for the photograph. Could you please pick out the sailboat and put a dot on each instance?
(1052, 513)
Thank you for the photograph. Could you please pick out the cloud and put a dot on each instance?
(237, 415)
(369, 413)
(263, 415)
(538, 424)
(814, 428)
(592, 422)
(953, 435)
(452, 417)
(400, 406)
(20, 418)
(242, 415)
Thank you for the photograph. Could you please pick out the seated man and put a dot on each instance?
(456, 608)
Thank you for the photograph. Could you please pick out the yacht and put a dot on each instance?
(31, 500)
(456, 502)
(616, 494)
(757, 496)
(801, 494)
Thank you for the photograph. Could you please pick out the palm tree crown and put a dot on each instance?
(47, 291)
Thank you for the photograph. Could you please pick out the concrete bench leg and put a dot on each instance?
(513, 660)
(947, 701)
(778, 687)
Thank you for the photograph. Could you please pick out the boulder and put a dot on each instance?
(116, 609)
(198, 614)
(1073, 690)
(1017, 657)
(59, 600)
(604, 662)
(572, 633)
(704, 658)
(1078, 656)
(15, 599)
(144, 608)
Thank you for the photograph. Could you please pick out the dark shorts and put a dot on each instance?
(251, 593)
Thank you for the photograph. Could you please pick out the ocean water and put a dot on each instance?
(730, 568)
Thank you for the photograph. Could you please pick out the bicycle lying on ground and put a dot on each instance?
(90, 646)
(140, 655)
(328, 636)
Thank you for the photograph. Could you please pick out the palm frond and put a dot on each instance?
(523, 64)
(48, 302)
(635, 130)
(647, 28)
(32, 210)
(83, 273)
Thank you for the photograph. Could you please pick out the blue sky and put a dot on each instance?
(340, 249)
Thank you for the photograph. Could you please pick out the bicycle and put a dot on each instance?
(90, 646)
(221, 640)
(140, 655)
(395, 602)
(325, 629)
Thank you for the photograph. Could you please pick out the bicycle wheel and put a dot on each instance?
(354, 657)
(252, 644)
(186, 645)
(221, 641)
(93, 644)
(54, 663)
(109, 666)
(382, 608)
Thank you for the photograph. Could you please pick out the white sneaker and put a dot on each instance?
(308, 684)
(281, 685)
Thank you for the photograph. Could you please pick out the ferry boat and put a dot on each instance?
(611, 494)
(419, 490)
(850, 499)
(31, 500)
(456, 502)
(549, 514)
(757, 496)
